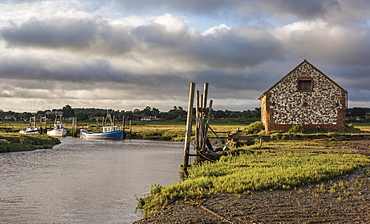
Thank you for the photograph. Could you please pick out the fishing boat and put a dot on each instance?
(109, 132)
(59, 130)
(32, 129)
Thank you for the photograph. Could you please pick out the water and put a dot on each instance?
(84, 181)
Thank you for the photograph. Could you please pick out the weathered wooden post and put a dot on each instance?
(74, 127)
(123, 123)
(188, 129)
(43, 125)
(203, 132)
(130, 129)
(197, 125)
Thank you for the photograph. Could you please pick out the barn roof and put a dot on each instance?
(304, 61)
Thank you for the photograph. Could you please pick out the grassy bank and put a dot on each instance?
(251, 171)
(14, 142)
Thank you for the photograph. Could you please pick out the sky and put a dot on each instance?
(126, 55)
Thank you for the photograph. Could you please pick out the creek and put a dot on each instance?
(85, 181)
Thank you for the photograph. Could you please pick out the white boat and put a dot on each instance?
(109, 132)
(59, 129)
(32, 129)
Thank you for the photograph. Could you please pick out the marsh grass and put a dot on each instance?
(254, 171)
(15, 142)
(313, 144)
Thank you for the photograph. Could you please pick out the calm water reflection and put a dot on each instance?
(85, 181)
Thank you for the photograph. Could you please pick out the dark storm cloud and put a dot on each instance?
(156, 36)
(298, 8)
(193, 6)
(97, 73)
(231, 49)
(75, 34)
(279, 8)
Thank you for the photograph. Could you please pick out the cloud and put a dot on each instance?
(148, 51)
(72, 34)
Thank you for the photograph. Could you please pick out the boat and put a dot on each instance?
(32, 129)
(59, 130)
(109, 132)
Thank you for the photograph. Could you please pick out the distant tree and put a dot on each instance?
(147, 111)
(219, 114)
(81, 116)
(357, 111)
(155, 112)
(68, 111)
(98, 113)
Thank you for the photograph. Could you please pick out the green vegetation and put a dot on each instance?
(314, 144)
(152, 114)
(11, 142)
(251, 171)
(254, 128)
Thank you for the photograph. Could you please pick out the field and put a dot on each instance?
(291, 182)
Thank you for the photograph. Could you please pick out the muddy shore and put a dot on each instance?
(343, 200)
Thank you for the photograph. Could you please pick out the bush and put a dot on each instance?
(254, 128)
(276, 136)
(297, 128)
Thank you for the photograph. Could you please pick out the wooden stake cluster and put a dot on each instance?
(202, 116)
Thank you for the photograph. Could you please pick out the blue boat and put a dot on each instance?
(109, 132)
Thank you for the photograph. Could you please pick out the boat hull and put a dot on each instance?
(119, 134)
(30, 130)
(57, 132)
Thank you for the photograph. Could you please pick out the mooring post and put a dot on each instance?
(188, 129)
(74, 126)
(205, 94)
(123, 123)
(197, 126)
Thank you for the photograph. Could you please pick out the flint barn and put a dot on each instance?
(304, 96)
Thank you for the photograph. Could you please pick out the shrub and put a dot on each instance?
(276, 136)
(297, 128)
(254, 128)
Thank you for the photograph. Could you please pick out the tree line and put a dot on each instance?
(176, 113)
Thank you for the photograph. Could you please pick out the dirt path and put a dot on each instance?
(344, 200)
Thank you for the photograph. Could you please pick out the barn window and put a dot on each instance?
(305, 85)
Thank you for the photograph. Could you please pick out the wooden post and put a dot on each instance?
(205, 94)
(202, 120)
(207, 120)
(130, 129)
(123, 123)
(188, 129)
(197, 125)
(74, 126)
